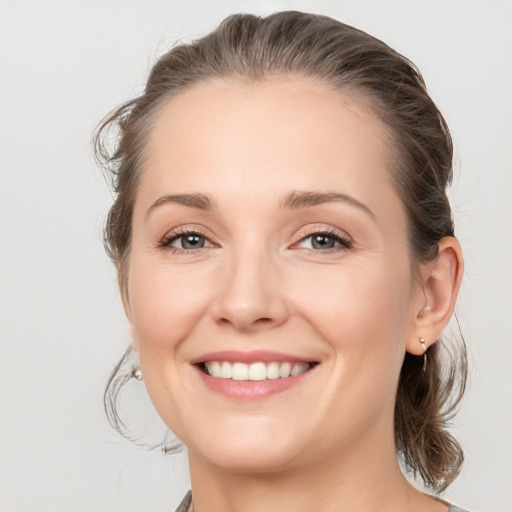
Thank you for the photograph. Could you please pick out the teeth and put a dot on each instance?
(239, 371)
(216, 368)
(257, 371)
(272, 370)
(285, 370)
(226, 372)
(299, 368)
(254, 371)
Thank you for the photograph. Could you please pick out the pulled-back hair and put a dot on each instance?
(349, 60)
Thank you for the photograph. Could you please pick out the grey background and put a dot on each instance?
(65, 64)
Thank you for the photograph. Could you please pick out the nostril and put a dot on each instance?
(247, 324)
(263, 320)
(259, 321)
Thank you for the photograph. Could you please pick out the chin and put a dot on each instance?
(269, 459)
(254, 451)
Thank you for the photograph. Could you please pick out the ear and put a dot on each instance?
(123, 291)
(440, 283)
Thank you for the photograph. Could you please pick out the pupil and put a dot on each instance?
(323, 242)
(192, 242)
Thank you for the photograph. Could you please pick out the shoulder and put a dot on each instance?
(185, 504)
(454, 508)
(451, 508)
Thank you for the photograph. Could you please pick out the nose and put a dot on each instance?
(251, 297)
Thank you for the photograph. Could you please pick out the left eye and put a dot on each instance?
(190, 241)
(323, 241)
(187, 241)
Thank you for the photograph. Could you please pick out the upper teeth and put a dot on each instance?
(254, 371)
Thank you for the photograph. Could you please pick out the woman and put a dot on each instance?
(287, 262)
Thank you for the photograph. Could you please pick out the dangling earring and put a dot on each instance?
(425, 348)
(137, 374)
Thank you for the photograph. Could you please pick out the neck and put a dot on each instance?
(365, 479)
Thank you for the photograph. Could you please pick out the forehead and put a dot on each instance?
(276, 134)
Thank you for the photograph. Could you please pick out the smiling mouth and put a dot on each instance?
(257, 371)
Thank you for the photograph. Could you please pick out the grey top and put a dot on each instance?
(183, 507)
(185, 504)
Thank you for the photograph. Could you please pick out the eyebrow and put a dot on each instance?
(200, 201)
(303, 199)
(293, 201)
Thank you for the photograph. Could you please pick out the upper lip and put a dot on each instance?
(256, 356)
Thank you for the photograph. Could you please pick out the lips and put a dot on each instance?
(251, 375)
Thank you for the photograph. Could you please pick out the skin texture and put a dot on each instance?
(258, 283)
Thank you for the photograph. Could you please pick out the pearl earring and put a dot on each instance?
(424, 348)
(137, 374)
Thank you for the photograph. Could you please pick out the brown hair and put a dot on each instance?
(352, 61)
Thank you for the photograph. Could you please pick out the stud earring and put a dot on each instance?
(424, 348)
(137, 374)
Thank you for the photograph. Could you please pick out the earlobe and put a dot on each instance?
(441, 281)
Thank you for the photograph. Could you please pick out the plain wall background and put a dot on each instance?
(65, 64)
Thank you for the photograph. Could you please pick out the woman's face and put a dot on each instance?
(269, 244)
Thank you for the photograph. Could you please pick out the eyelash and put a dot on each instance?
(345, 242)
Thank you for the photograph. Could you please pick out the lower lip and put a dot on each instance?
(251, 389)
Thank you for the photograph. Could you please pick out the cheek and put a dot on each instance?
(361, 313)
(165, 304)
(354, 301)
